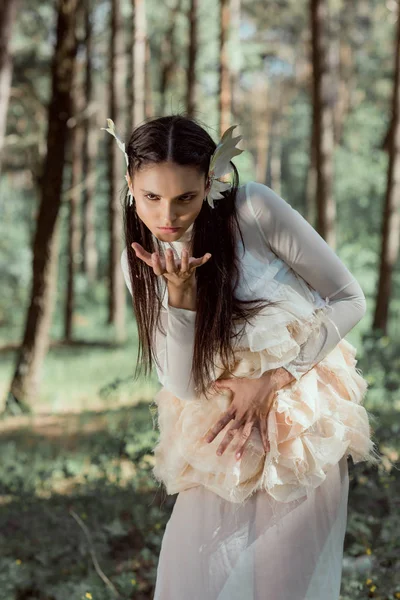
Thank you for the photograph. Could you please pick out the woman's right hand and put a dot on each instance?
(179, 273)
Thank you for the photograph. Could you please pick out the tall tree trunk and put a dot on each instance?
(89, 250)
(323, 117)
(224, 94)
(74, 205)
(139, 61)
(191, 70)
(311, 179)
(262, 130)
(116, 314)
(148, 99)
(275, 152)
(130, 79)
(345, 76)
(25, 382)
(8, 11)
(391, 215)
(169, 56)
(236, 60)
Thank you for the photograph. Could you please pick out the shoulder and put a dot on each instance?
(257, 201)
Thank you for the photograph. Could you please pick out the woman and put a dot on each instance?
(243, 307)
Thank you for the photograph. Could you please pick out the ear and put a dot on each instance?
(129, 182)
(208, 185)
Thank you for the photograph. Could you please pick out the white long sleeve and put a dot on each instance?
(175, 349)
(296, 242)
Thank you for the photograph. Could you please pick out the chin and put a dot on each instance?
(169, 234)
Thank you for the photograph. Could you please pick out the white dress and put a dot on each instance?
(269, 526)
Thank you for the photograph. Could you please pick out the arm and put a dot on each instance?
(174, 350)
(296, 242)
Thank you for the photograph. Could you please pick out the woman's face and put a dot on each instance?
(168, 195)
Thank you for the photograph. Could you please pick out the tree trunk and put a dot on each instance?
(169, 57)
(89, 250)
(275, 152)
(8, 11)
(345, 76)
(262, 129)
(323, 122)
(191, 70)
(25, 382)
(74, 205)
(139, 61)
(130, 79)
(236, 60)
(148, 100)
(311, 180)
(391, 215)
(224, 78)
(116, 163)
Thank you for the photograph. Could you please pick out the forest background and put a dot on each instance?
(313, 87)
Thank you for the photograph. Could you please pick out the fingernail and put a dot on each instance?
(237, 454)
(219, 452)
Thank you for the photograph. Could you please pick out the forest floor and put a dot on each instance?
(82, 517)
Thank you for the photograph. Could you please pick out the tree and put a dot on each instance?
(74, 203)
(191, 70)
(8, 11)
(88, 237)
(391, 215)
(323, 124)
(25, 382)
(224, 78)
(139, 68)
(169, 55)
(116, 305)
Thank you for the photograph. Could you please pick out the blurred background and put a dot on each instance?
(313, 87)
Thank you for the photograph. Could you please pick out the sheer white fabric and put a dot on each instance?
(261, 550)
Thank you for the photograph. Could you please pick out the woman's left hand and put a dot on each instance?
(252, 400)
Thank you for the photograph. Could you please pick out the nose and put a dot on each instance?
(169, 215)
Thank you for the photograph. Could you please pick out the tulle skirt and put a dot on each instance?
(262, 549)
(312, 424)
(271, 525)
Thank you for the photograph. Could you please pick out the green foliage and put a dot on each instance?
(85, 469)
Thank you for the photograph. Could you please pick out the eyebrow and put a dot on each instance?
(184, 194)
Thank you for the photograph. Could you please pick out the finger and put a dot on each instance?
(228, 437)
(244, 436)
(197, 262)
(156, 264)
(221, 385)
(170, 262)
(142, 253)
(264, 433)
(214, 431)
(184, 261)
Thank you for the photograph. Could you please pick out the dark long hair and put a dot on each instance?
(182, 140)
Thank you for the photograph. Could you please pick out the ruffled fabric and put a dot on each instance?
(312, 424)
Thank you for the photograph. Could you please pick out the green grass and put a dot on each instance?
(82, 516)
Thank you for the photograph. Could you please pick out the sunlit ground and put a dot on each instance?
(81, 514)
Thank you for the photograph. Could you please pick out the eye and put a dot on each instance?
(185, 198)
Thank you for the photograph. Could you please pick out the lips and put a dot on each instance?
(169, 228)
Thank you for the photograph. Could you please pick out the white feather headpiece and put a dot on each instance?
(220, 162)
